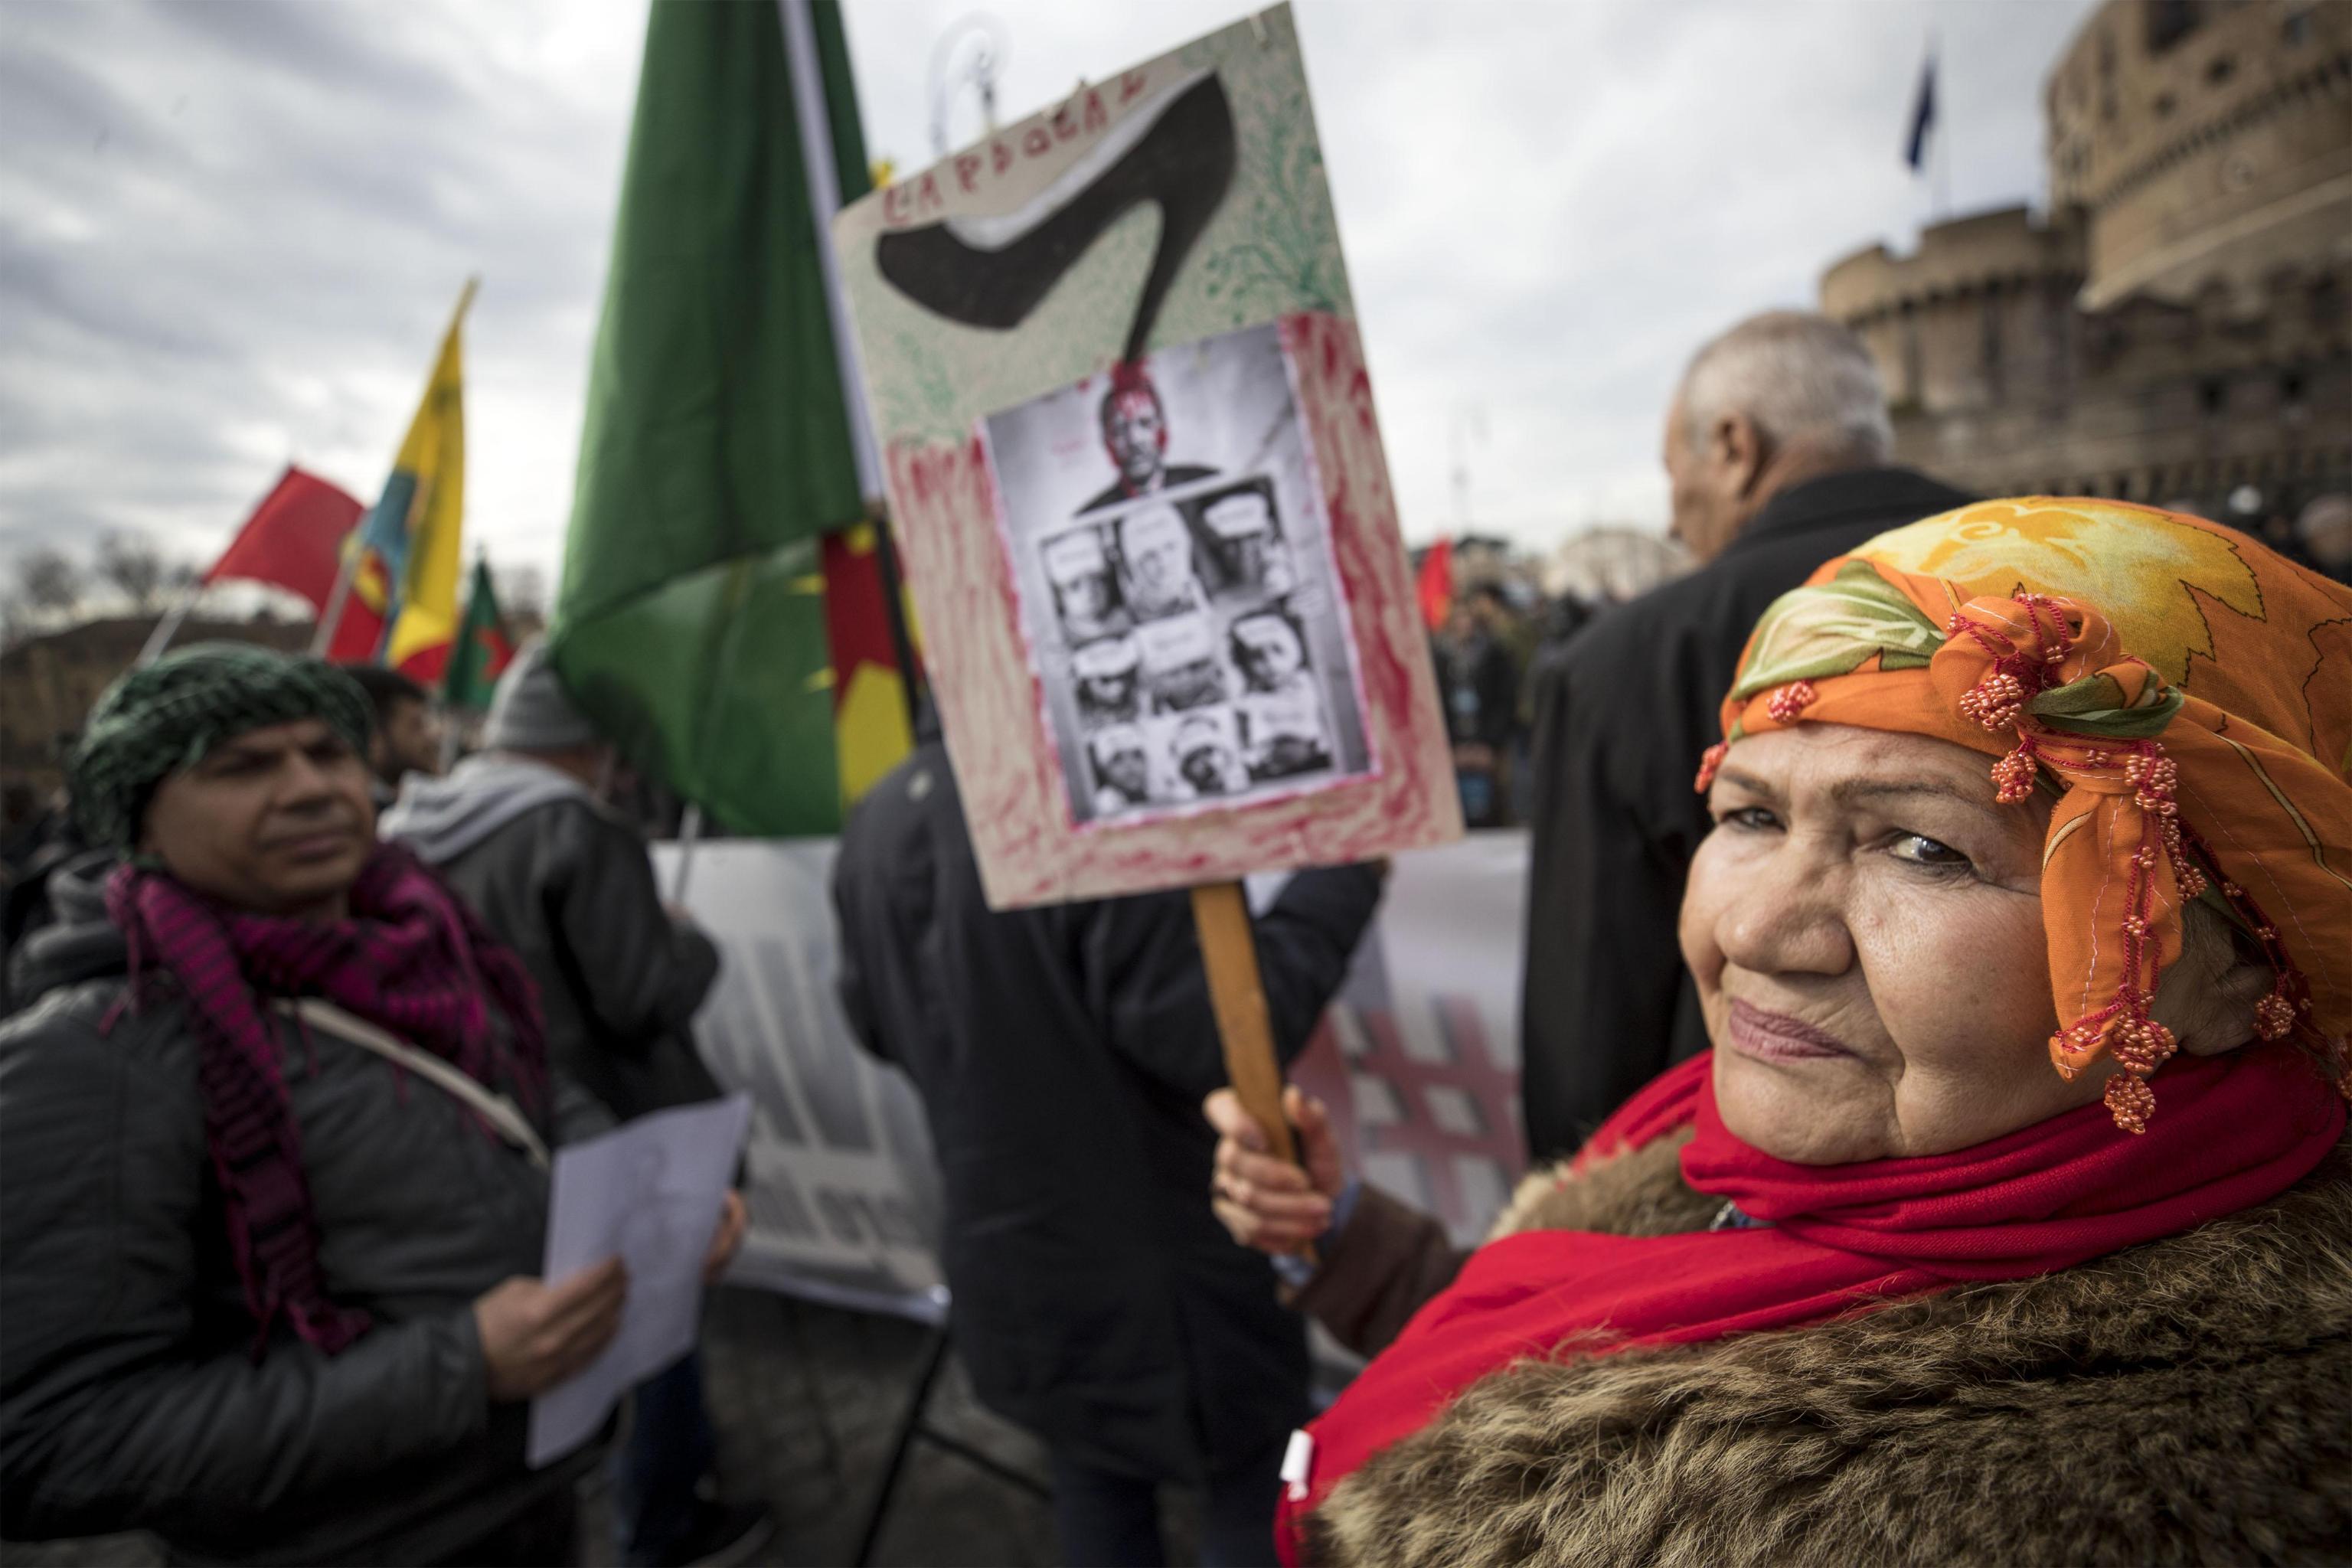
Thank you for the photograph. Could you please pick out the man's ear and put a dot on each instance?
(1738, 449)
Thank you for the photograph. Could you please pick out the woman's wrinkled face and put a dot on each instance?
(1865, 924)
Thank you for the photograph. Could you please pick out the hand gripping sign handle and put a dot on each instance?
(1221, 915)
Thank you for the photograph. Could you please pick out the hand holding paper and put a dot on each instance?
(654, 1196)
(535, 1335)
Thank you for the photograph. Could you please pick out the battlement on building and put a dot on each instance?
(2203, 137)
(2006, 250)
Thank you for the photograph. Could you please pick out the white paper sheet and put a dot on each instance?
(649, 1192)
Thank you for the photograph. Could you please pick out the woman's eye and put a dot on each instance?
(1756, 818)
(1922, 850)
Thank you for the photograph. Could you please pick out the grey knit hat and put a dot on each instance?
(530, 711)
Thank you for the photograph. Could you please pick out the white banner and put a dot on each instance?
(842, 1188)
(1418, 1059)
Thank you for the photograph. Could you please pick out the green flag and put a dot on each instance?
(691, 619)
(480, 650)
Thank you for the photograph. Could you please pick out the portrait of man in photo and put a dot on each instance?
(1207, 758)
(1270, 651)
(1283, 736)
(1078, 569)
(1135, 434)
(1155, 550)
(1247, 554)
(1181, 667)
(1122, 768)
(1109, 673)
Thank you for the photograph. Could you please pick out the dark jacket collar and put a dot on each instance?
(1856, 495)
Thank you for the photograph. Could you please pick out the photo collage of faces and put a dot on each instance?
(1187, 651)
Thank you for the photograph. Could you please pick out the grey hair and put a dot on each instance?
(1800, 377)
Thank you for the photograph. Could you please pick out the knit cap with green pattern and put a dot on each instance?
(160, 718)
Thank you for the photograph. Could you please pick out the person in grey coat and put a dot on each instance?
(268, 1289)
(520, 830)
(522, 833)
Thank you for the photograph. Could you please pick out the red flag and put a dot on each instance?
(1437, 584)
(293, 540)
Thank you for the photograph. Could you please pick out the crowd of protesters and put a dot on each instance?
(1818, 1260)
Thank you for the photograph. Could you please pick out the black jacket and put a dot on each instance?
(129, 1394)
(1062, 1055)
(1623, 713)
(567, 884)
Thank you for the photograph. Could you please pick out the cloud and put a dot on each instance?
(233, 232)
(230, 233)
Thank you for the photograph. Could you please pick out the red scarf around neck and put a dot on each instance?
(411, 959)
(2237, 1129)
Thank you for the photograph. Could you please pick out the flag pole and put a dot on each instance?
(824, 201)
(331, 619)
(169, 627)
(809, 105)
(1943, 171)
(449, 713)
(689, 834)
(1939, 179)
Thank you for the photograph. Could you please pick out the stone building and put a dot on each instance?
(48, 682)
(2178, 329)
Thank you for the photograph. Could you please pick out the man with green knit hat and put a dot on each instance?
(268, 1276)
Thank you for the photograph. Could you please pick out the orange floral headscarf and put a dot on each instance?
(2187, 690)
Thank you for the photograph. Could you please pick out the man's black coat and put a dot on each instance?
(1622, 712)
(1062, 1055)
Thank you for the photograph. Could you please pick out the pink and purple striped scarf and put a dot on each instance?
(411, 958)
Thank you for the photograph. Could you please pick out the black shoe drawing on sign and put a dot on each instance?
(993, 271)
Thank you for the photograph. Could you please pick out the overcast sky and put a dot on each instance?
(231, 230)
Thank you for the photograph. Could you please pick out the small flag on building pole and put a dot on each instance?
(1923, 117)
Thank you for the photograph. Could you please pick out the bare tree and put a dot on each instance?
(47, 580)
(132, 566)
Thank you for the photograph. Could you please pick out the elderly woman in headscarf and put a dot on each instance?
(2011, 1214)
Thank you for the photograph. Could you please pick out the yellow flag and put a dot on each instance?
(424, 537)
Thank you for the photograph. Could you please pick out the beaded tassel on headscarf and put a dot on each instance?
(1970, 628)
(2020, 669)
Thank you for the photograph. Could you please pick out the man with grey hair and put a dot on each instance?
(1776, 446)
(1781, 398)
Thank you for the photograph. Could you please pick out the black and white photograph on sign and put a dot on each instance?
(1178, 593)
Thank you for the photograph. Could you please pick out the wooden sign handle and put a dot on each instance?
(1221, 916)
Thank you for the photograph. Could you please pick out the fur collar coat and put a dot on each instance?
(2186, 1401)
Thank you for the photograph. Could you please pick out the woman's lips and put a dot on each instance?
(1777, 1038)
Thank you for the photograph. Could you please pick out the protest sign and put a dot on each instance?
(1129, 444)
